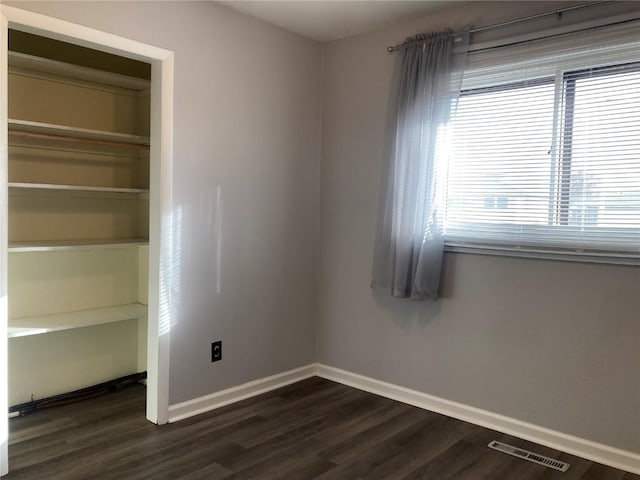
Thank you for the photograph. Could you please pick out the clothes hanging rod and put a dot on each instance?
(557, 13)
(71, 138)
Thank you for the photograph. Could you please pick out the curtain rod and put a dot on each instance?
(515, 21)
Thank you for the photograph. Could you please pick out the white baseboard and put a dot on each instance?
(219, 399)
(597, 452)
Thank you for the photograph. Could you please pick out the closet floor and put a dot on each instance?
(314, 429)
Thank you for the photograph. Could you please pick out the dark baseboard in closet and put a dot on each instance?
(77, 395)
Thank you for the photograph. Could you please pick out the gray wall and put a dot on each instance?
(246, 124)
(551, 343)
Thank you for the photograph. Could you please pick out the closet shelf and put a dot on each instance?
(62, 245)
(21, 327)
(75, 72)
(75, 188)
(74, 134)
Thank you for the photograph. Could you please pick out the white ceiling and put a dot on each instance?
(327, 20)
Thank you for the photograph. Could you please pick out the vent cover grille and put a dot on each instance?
(530, 456)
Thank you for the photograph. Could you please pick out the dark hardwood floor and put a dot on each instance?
(314, 429)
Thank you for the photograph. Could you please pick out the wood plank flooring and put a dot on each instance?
(314, 429)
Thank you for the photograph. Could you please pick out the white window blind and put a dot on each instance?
(545, 149)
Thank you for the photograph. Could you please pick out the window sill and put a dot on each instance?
(609, 258)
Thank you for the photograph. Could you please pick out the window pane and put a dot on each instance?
(500, 167)
(605, 153)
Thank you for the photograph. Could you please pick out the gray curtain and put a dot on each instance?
(409, 238)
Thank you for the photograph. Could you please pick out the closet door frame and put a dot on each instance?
(161, 308)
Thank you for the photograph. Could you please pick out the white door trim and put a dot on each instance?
(160, 215)
(4, 209)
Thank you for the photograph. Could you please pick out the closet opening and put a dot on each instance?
(85, 216)
(78, 221)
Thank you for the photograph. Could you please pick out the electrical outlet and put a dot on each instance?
(216, 351)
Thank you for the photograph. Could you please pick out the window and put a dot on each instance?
(545, 151)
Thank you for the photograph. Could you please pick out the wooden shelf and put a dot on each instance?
(75, 72)
(62, 245)
(21, 327)
(63, 132)
(75, 188)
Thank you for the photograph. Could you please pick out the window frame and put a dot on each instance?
(559, 197)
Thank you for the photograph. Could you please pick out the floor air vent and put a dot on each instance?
(530, 456)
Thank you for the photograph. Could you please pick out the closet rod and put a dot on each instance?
(68, 138)
(515, 21)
